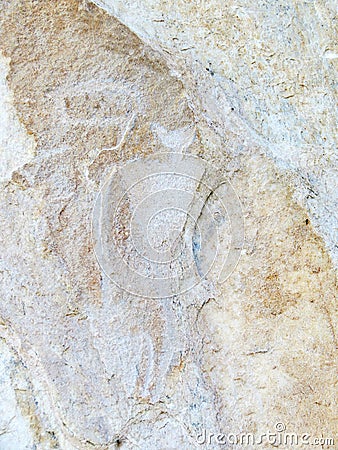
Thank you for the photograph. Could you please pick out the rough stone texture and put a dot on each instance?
(17, 147)
(84, 364)
(267, 68)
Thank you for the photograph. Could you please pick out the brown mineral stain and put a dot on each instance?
(288, 262)
(69, 68)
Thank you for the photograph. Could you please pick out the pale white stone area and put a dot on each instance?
(15, 432)
(16, 146)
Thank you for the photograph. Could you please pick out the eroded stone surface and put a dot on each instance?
(16, 146)
(269, 70)
(105, 369)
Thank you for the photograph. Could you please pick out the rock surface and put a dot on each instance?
(250, 89)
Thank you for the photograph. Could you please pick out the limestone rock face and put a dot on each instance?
(124, 131)
(269, 69)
